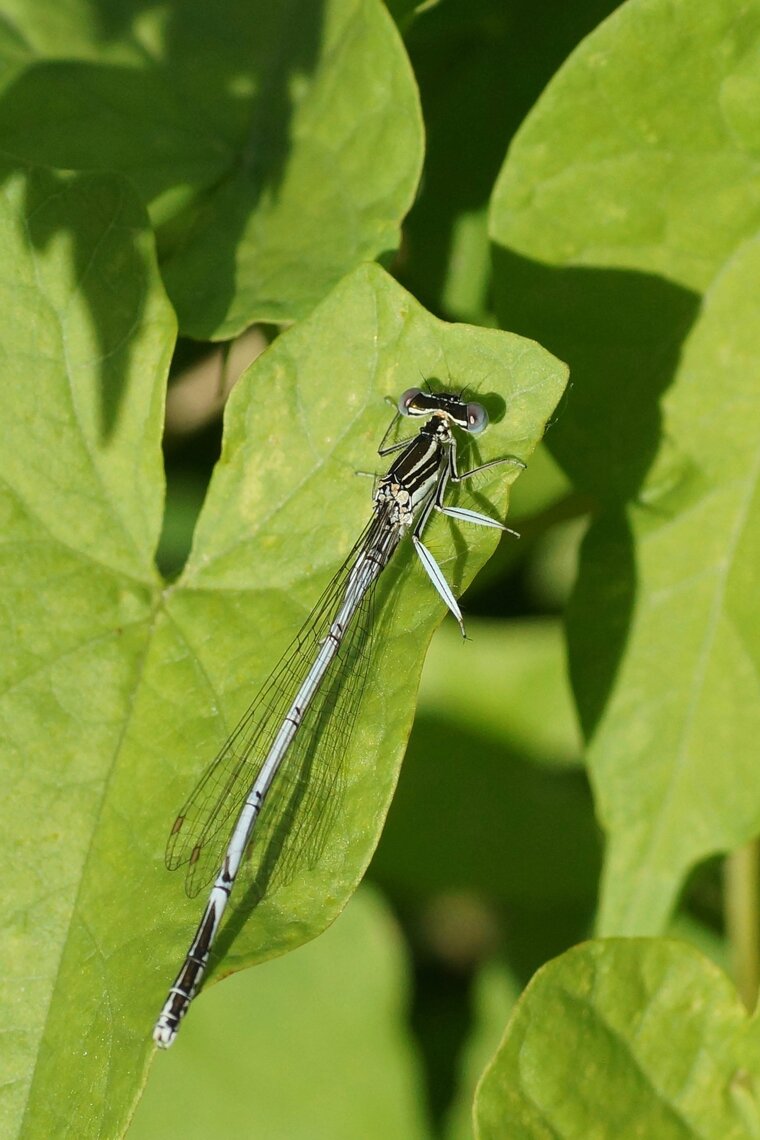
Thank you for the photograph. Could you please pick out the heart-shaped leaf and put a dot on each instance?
(117, 690)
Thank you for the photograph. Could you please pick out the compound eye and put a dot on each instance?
(477, 418)
(405, 402)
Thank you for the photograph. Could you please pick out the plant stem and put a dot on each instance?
(743, 919)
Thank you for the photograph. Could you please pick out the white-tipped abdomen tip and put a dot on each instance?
(163, 1034)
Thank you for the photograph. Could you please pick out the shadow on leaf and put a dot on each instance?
(112, 123)
(621, 333)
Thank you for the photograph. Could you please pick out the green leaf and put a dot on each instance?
(272, 1051)
(642, 152)
(117, 691)
(480, 65)
(277, 146)
(635, 163)
(253, 517)
(629, 183)
(86, 341)
(623, 1039)
(673, 755)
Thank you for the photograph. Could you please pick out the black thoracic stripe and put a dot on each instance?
(417, 464)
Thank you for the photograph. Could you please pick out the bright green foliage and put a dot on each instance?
(248, 161)
(85, 349)
(481, 65)
(642, 154)
(116, 690)
(276, 145)
(674, 757)
(664, 659)
(625, 189)
(624, 1039)
(336, 1007)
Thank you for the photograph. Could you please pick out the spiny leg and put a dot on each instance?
(461, 513)
(457, 478)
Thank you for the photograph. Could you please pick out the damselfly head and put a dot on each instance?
(469, 417)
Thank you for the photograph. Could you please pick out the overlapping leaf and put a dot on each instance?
(625, 1038)
(642, 152)
(674, 753)
(116, 691)
(276, 145)
(614, 205)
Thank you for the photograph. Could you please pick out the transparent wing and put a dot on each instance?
(301, 803)
(307, 795)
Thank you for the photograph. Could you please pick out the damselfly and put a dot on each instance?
(310, 699)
